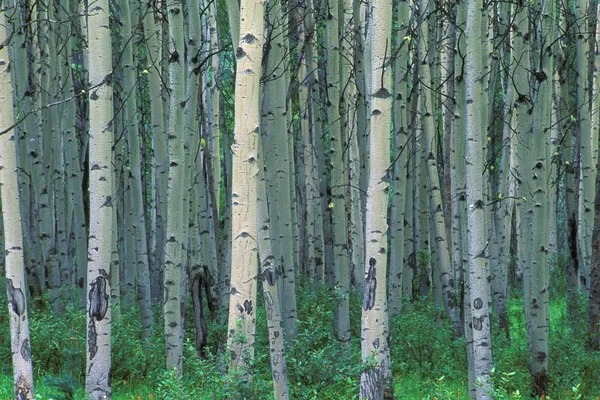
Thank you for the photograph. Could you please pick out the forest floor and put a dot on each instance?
(428, 362)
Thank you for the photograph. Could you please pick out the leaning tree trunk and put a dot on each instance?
(98, 361)
(242, 303)
(13, 238)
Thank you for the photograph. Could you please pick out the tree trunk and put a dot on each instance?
(242, 323)
(13, 237)
(476, 235)
(98, 361)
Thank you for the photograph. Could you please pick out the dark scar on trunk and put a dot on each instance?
(370, 286)
(98, 298)
(16, 299)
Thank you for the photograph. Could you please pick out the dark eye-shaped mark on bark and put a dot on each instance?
(92, 339)
(26, 350)
(98, 297)
(370, 286)
(248, 307)
(16, 299)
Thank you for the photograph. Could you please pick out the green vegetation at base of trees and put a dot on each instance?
(428, 362)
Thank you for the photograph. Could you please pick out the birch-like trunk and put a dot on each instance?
(244, 235)
(174, 229)
(338, 179)
(277, 159)
(435, 198)
(153, 40)
(401, 125)
(476, 234)
(270, 286)
(98, 360)
(13, 237)
(374, 326)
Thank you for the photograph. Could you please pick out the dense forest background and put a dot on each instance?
(300, 199)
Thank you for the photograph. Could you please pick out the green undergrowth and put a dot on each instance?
(428, 360)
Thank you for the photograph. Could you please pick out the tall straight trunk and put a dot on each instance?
(98, 360)
(586, 136)
(215, 96)
(277, 159)
(153, 40)
(348, 101)
(338, 179)
(594, 298)
(435, 199)
(242, 303)
(476, 236)
(174, 229)
(134, 176)
(568, 154)
(270, 286)
(397, 206)
(374, 326)
(13, 237)
(316, 138)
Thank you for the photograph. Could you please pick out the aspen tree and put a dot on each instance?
(586, 140)
(478, 270)
(594, 298)
(172, 285)
(435, 200)
(374, 329)
(277, 160)
(338, 177)
(159, 163)
(13, 238)
(134, 177)
(98, 360)
(244, 235)
(270, 286)
(400, 118)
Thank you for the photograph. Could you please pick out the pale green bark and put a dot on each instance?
(242, 303)
(435, 200)
(374, 326)
(338, 179)
(174, 229)
(586, 137)
(98, 361)
(153, 40)
(134, 177)
(13, 237)
(277, 159)
(270, 285)
(476, 234)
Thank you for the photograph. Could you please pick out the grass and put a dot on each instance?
(427, 361)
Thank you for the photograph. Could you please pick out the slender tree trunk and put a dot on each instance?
(277, 159)
(174, 229)
(244, 233)
(435, 200)
(13, 237)
(401, 129)
(476, 235)
(374, 337)
(338, 179)
(98, 361)
(268, 276)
